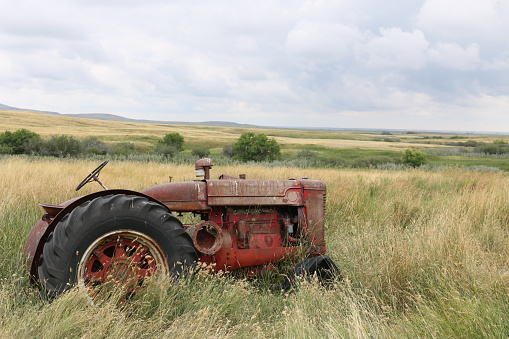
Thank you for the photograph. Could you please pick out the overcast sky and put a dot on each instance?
(402, 64)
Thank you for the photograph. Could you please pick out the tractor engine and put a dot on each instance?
(247, 222)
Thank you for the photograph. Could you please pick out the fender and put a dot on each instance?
(43, 228)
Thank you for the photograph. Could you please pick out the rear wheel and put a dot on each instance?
(112, 240)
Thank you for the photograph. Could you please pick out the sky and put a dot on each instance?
(397, 64)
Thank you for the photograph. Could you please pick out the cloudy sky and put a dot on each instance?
(402, 64)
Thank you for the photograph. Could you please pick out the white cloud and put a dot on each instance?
(321, 42)
(459, 19)
(453, 56)
(397, 49)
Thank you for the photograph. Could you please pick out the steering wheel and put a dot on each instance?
(91, 177)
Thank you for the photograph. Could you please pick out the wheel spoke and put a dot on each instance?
(119, 249)
(144, 273)
(94, 276)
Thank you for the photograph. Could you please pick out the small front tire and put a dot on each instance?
(320, 266)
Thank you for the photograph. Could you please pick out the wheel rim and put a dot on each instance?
(120, 258)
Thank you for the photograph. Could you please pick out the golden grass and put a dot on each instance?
(424, 254)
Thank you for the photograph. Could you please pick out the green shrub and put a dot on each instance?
(469, 143)
(414, 158)
(4, 149)
(169, 151)
(13, 142)
(334, 162)
(228, 151)
(497, 147)
(35, 146)
(174, 139)
(92, 145)
(122, 148)
(60, 146)
(256, 147)
(200, 151)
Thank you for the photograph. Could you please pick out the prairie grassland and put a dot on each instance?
(147, 134)
(423, 254)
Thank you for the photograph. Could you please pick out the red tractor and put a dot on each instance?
(128, 236)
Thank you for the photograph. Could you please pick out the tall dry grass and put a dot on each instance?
(423, 254)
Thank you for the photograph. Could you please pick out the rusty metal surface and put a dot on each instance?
(207, 237)
(205, 162)
(52, 209)
(33, 241)
(186, 196)
(250, 192)
(314, 202)
(42, 229)
(232, 259)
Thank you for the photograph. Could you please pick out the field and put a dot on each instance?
(423, 254)
(332, 148)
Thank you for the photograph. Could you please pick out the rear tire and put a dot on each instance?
(122, 237)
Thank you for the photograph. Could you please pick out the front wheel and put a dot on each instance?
(321, 267)
(117, 238)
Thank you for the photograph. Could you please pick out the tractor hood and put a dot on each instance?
(204, 194)
(181, 196)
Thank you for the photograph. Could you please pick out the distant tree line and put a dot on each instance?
(24, 141)
(497, 147)
(249, 146)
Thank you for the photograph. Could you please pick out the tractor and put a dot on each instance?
(242, 225)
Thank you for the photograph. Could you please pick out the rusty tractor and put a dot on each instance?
(244, 225)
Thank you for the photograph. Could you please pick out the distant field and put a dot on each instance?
(345, 144)
(143, 133)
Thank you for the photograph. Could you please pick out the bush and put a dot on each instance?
(414, 158)
(174, 139)
(35, 146)
(58, 146)
(333, 162)
(256, 147)
(13, 142)
(228, 151)
(168, 151)
(201, 151)
(122, 148)
(497, 147)
(93, 145)
(469, 143)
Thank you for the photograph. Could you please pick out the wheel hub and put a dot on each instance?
(122, 257)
